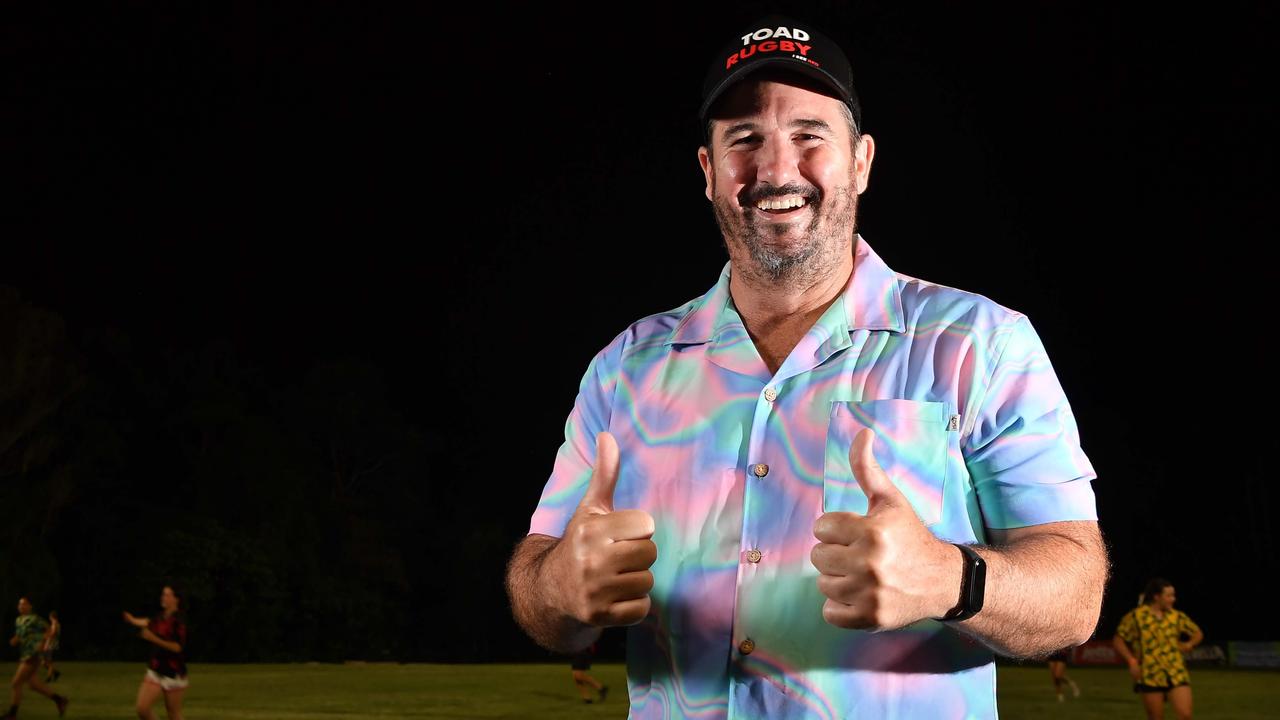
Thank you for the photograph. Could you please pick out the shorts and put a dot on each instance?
(165, 683)
(1140, 688)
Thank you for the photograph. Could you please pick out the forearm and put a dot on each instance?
(166, 644)
(1043, 590)
(1123, 649)
(1193, 641)
(533, 600)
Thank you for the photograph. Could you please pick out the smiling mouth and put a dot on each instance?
(782, 206)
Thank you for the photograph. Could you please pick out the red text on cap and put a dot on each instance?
(767, 47)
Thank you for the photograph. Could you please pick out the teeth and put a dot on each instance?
(782, 203)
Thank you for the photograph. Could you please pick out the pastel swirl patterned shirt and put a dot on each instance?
(736, 463)
(1154, 639)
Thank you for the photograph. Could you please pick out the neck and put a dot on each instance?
(764, 306)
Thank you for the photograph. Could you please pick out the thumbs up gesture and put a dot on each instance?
(882, 570)
(601, 565)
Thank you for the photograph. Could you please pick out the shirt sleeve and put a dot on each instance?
(1128, 629)
(1187, 625)
(1024, 453)
(571, 472)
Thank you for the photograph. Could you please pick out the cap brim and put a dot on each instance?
(799, 66)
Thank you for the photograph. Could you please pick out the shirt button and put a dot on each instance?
(770, 394)
(760, 469)
(753, 556)
(746, 646)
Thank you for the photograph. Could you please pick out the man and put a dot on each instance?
(1149, 639)
(784, 485)
(28, 636)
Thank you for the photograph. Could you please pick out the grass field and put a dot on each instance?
(105, 691)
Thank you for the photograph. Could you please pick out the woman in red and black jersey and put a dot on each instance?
(167, 669)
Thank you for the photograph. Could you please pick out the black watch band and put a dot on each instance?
(972, 586)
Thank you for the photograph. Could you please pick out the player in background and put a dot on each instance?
(52, 639)
(1149, 639)
(28, 636)
(167, 669)
(581, 664)
(1058, 670)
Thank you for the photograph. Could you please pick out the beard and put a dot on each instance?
(774, 261)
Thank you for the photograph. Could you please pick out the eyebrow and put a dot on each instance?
(802, 123)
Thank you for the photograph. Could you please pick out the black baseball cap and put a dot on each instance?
(781, 42)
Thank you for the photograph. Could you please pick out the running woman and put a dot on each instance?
(167, 669)
(581, 663)
(28, 636)
(1058, 670)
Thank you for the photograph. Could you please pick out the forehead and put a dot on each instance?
(772, 96)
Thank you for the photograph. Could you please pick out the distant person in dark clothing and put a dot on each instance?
(29, 632)
(52, 639)
(1058, 669)
(167, 669)
(581, 664)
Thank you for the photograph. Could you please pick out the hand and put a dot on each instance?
(882, 570)
(14, 641)
(146, 634)
(601, 565)
(1135, 669)
(1185, 647)
(130, 618)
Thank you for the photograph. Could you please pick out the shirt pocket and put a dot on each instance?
(910, 444)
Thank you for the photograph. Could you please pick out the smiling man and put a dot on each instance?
(824, 488)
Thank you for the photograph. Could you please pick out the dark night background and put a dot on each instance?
(294, 300)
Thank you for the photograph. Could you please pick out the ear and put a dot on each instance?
(709, 172)
(863, 155)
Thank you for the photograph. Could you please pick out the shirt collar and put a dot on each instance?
(870, 301)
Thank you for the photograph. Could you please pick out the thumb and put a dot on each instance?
(871, 477)
(604, 476)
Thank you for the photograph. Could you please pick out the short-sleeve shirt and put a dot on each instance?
(735, 464)
(1155, 641)
(30, 629)
(166, 662)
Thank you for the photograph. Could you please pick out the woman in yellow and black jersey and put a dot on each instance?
(1149, 639)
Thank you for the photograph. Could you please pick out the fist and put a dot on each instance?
(601, 565)
(882, 570)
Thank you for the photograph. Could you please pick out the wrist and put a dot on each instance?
(973, 585)
(951, 590)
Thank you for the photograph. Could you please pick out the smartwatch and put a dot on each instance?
(972, 586)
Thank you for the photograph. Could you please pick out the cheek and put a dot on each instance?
(827, 168)
(733, 170)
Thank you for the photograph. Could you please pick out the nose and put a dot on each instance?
(777, 161)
